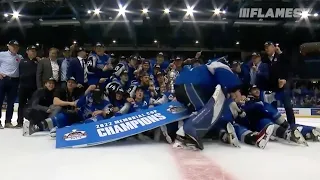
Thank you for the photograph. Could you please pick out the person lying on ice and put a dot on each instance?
(91, 107)
(196, 89)
(261, 113)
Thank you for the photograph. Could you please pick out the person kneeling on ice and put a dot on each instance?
(40, 106)
(91, 107)
(196, 89)
(260, 114)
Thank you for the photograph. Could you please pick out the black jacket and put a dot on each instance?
(41, 100)
(27, 73)
(279, 68)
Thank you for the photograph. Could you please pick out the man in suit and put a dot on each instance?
(78, 69)
(49, 67)
(65, 61)
(278, 81)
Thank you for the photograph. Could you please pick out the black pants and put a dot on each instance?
(8, 89)
(24, 95)
(36, 116)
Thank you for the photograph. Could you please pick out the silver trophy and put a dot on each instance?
(172, 77)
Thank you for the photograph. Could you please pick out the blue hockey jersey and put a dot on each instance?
(208, 76)
(87, 106)
(95, 65)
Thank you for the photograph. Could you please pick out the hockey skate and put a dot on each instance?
(29, 129)
(232, 136)
(183, 143)
(315, 135)
(53, 132)
(295, 136)
(264, 135)
(165, 134)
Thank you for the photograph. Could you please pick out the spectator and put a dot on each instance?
(9, 79)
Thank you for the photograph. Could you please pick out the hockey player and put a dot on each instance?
(308, 132)
(261, 114)
(112, 87)
(160, 61)
(121, 66)
(231, 114)
(119, 101)
(99, 65)
(195, 88)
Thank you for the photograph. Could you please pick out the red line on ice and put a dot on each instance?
(195, 166)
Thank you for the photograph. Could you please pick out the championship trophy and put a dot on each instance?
(172, 77)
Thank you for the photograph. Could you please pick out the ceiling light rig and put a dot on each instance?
(166, 11)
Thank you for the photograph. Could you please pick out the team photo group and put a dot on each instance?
(221, 99)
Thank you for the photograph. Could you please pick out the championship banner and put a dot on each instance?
(100, 132)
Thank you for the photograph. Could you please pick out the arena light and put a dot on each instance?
(74, 18)
(190, 11)
(304, 14)
(89, 11)
(15, 14)
(237, 43)
(315, 14)
(74, 42)
(114, 41)
(145, 11)
(122, 10)
(37, 44)
(197, 42)
(155, 41)
(97, 11)
(224, 12)
(5, 14)
(166, 11)
(217, 11)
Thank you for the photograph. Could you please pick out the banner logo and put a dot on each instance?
(75, 135)
(273, 12)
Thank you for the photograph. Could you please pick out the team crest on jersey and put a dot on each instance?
(176, 109)
(75, 135)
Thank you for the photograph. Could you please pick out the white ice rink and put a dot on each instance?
(35, 158)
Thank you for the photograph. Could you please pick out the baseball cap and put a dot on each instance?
(160, 54)
(133, 57)
(159, 74)
(31, 47)
(145, 61)
(235, 63)
(123, 72)
(13, 42)
(80, 49)
(98, 44)
(268, 43)
(156, 66)
(72, 78)
(253, 87)
(122, 57)
(177, 58)
(51, 79)
(66, 48)
(255, 54)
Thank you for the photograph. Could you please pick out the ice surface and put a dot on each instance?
(36, 158)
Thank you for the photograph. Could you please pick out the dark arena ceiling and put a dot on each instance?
(60, 22)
